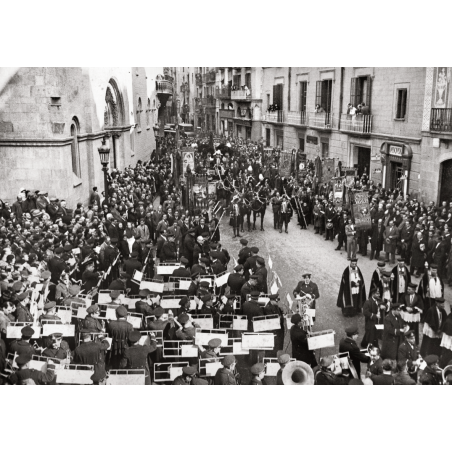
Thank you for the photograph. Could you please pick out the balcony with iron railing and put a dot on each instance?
(163, 87)
(356, 124)
(324, 121)
(275, 116)
(223, 93)
(241, 94)
(298, 119)
(441, 120)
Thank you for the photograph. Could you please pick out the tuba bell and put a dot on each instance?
(297, 373)
(446, 372)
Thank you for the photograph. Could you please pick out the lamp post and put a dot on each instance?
(104, 154)
(157, 140)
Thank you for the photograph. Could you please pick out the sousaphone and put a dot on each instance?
(297, 373)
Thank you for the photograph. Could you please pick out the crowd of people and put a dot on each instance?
(54, 257)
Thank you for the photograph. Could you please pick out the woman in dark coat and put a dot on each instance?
(418, 254)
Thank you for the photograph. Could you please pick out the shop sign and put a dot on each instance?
(396, 150)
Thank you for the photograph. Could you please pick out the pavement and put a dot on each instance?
(302, 250)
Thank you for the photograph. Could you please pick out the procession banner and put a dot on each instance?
(327, 170)
(361, 210)
(285, 163)
(349, 174)
(212, 191)
(188, 160)
(338, 192)
(302, 166)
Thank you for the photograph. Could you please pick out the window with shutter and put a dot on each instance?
(401, 103)
(353, 91)
(248, 80)
(369, 84)
(303, 95)
(318, 93)
(325, 97)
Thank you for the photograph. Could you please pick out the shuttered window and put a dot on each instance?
(303, 95)
(360, 90)
(278, 95)
(401, 103)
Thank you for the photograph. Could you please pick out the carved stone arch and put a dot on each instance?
(114, 105)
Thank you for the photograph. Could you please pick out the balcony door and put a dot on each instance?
(446, 181)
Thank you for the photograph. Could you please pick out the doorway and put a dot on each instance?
(363, 160)
(446, 181)
(267, 137)
(396, 174)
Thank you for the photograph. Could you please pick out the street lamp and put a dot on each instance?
(157, 139)
(104, 154)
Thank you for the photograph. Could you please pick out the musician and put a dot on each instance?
(49, 313)
(285, 213)
(25, 375)
(57, 347)
(283, 360)
(90, 278)
(409, 352)
(299, 339)
(90, 323)
(187, 331)
(212, 350)
(201, 267)
(372, 314)
(348, 344)
(119, 331)
(236, 280)
(250, 264)
(22, 346)
(248, 287)
(272, 308)
(225, 375)
(276, 207)
(261, 272)
(432, 373)
(57, 265)
(325, 376)
(258, 374)
(184, 271)
(386, 377)
(188, 374)
(307, 289)
(169, 250)
(22, 312)
(92, 353)
(244, 253)
(120, 283)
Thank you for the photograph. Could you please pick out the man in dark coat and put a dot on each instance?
(182, 272)
(119, 332)
(348, 344)
(57, 265)
(225, 375)
(90, 278)
(244, 253)
(188, 246)
(411, 309)
(409, 352)
(352, 291)
(377, 239)
(272, 308)
(132, 264)
(92, 353)
(393, 333)
(386, 377)
(372, 315)
(299, 340)
(261, 273)
(236, 280)
(446, 342)
(250, 263)
(252, 309)
(376, 278)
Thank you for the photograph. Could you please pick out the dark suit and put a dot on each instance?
(235, 283)
(89, 280)
(382, 379)
(377, 240)
(392, 336)
(370, 310)
(92, 353)
(349, 345)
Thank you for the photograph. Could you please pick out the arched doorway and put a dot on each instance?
(113, 117)
(446, 181)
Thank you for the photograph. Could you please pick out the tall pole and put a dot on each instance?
(105, 170)
(176, 162)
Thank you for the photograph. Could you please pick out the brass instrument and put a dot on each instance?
(448, 370)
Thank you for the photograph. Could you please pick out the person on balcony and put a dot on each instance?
(319, 109)
(365, 109)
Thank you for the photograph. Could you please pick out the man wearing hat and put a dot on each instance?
(184, 271)
(299, 340)
(348, 344)
(201, 267)
(244, 253)
(90, 323)
(409, 352)
(352, 291)
(306, 288)
(411, 309)
(250, 264)
(212, 350)
(400, 280)
(377, 238)
(261, 273)
(236, 280)
(393, 333)
(90, 278)
(325, 376)
(142, 306)
(22, 312)
(92, 353)
(169, 249)
(386, 378)
(372, 309)
(283, 360)
(187, 329)
(258, 374)
(119, 283)
(57, 348)
(432, 374)
(236, 218)
(225, 376)
(188, 373)
(286, 214)
(50, 313)
(118, 330)
(137, 356)
(194, 285)
(132, 264)
(27, 376)
(23, 346)
(433, 326)
(188, 246)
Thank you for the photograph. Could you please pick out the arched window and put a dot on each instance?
(139, 111)
(75, 153)
(114, 109)
(148, 114)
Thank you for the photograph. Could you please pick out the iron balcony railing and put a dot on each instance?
(322, 120)
(275, 116)
(441, 120)
(241, 94)
(299, 118)
(356, 123)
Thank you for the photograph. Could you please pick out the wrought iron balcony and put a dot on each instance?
(441, 120)
(299, 119)
(241, 94)
(359, 124)
(275, 116)
(321, 121)
(164, 87)
(223, 93)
